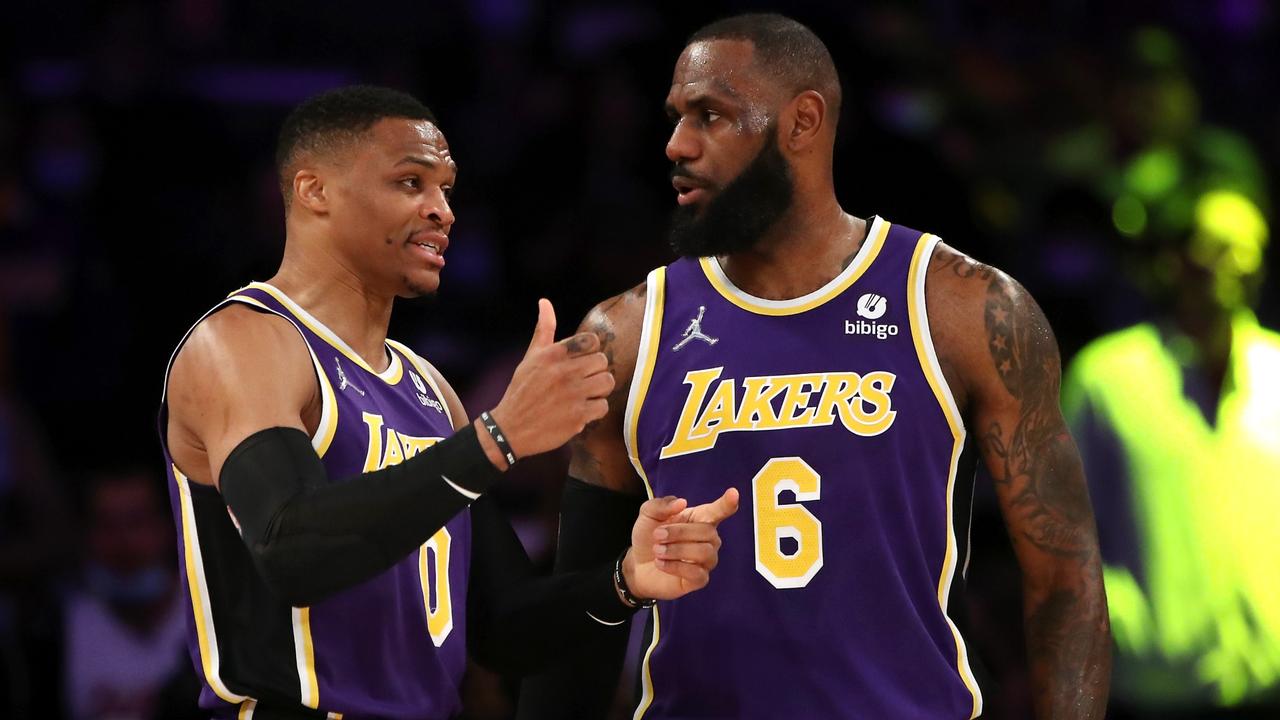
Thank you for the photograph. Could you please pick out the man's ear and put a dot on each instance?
(808, 115)
(309, 191)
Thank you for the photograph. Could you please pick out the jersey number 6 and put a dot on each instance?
(790, 567)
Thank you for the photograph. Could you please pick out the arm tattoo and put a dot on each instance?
(1038, 469)
(963, 266)
(1037, 458)
(586, 463)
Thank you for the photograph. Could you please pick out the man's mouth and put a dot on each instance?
(432, 245)
(688, 190)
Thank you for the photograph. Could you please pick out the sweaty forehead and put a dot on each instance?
(717, 67)
(400, 137)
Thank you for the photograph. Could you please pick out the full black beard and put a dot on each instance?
(742, 213)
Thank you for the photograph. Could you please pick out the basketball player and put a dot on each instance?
(338, 556)
(838, 371)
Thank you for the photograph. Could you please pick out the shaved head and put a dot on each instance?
(786, 52)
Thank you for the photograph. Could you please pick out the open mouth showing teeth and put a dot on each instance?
(430, 246)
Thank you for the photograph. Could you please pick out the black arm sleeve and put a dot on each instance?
(518, 622)
(595, 527)
(310, 537)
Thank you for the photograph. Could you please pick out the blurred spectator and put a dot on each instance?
(1178, 422)
(125, 631)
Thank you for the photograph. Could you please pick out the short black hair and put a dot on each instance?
(787, 50)
(334, 118)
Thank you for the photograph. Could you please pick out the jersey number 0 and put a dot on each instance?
(433, 567)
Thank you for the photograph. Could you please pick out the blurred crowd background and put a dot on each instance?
(1095, 150)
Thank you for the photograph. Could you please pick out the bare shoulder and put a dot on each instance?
(240, 371)
(618, 322)
(986, 327)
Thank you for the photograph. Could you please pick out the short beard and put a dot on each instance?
(414, 291)
(742, 213)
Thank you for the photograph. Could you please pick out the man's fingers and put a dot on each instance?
(596, 409)
(589, 364)
(687, 532)
(599, 385)
(581, 344)
(703, 554)
(659, 509)
(544, 333)
(715, 512)
(694, 575)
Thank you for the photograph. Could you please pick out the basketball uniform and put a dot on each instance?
(830, 414)
(391, 647)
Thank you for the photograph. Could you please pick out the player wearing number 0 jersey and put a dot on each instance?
(836, 371)
(253, 648)
(830, 415)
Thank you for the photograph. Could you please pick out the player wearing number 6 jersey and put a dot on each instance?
(338, 555)
(840, 373)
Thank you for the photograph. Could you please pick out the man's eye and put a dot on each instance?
(448, 193)
(410, 182)
(710, 116)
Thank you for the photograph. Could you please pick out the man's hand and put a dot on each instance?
(556, 389)
(674, 548)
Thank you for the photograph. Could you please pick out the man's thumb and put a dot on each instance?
(545, 332)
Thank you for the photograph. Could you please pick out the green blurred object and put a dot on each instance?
(1129, 216)
(1197, 621)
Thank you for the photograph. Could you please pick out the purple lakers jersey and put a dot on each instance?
(391, 647)
(831, 416)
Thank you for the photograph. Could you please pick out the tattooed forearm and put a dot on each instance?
(1069, 644)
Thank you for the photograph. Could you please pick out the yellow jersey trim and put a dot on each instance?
(646, 359)
(427, 371)
(919, 318)
(328, 425)
(246, 710)
(865, 256)
(646, 698)
(395, 369)
(206, 635)
(304, 653)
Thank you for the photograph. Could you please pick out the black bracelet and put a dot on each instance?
(620, 582)
(496, 433)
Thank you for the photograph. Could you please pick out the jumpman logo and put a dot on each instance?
(694, 332)
(343, 384)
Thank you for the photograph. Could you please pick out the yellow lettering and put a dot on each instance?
(756, 412)
(719, 413)
(797, 399)
(862, 402)
(838, 395)
(394, 453)
(414, 445)
(873, 390)
(374, 456)
(682, 441)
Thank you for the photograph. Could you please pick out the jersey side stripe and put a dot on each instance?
(646, 360)
(206, 634)
(946, 402)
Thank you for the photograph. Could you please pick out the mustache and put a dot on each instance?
(680, 171)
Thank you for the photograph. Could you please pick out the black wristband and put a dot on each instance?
(620, 582)
(499, 437)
